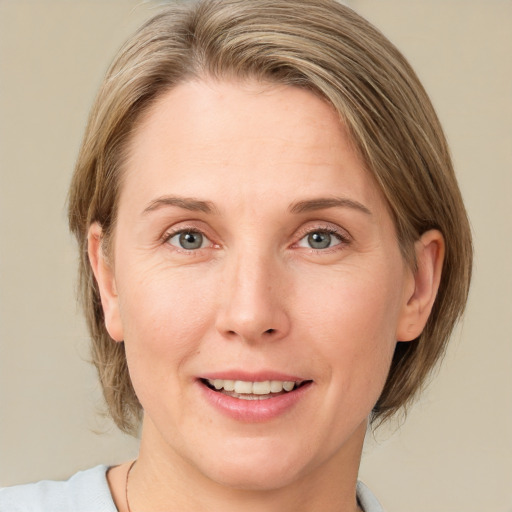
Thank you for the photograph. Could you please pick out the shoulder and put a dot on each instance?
(367, 500)
(85, 491)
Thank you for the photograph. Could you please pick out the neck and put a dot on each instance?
(162, 477)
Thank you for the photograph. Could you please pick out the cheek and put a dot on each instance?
(165, 316)
(354, 303)
(353, 324)
(164, 302)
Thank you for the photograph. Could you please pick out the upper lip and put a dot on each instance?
(259, 376)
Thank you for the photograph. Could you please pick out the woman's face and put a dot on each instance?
(253, 253)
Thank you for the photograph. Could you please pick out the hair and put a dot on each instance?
(324, 47)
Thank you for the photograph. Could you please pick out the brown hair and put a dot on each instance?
(325, 47)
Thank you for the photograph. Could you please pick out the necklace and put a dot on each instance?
(128, 502)
(126, 486)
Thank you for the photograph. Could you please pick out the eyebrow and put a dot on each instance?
(187, 203)
(327, 202)
(197, 205)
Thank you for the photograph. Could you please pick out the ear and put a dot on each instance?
(420, 296)
(104, 274)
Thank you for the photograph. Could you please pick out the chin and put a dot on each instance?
(246, 478)
(258, 468)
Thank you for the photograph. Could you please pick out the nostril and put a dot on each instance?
(270, 331)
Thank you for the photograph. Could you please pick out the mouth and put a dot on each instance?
(253, 390)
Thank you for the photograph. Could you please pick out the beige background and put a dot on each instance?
(454, 453)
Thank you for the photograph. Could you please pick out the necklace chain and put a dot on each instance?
(126, 486)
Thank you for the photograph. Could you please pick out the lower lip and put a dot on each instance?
(254, 411)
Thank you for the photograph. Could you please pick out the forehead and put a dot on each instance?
(249, 136)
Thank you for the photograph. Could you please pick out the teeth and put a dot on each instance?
(243, 387)
(276, 386)
(261, 388)
(288, 386)
(229, 385)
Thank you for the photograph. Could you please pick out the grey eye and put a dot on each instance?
(189, 240)
(320, 240)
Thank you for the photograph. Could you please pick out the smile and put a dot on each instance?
(254, 398)
(252, 390)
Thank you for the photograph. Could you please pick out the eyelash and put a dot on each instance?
(168, 235)
(342, 237)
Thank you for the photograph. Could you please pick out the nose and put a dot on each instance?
(253, 300)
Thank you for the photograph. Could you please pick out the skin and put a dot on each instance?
(256, 296)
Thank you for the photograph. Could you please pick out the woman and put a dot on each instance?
(274, 252)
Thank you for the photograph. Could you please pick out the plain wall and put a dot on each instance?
(454, 452)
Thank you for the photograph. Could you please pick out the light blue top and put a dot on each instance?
(88, 491)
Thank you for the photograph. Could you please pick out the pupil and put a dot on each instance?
(191, 240)
(319, 240)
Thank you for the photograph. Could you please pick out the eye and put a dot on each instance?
(188, 240)
(320, 239)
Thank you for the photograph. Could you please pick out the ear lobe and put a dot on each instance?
(429, 251)
(104, 274)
